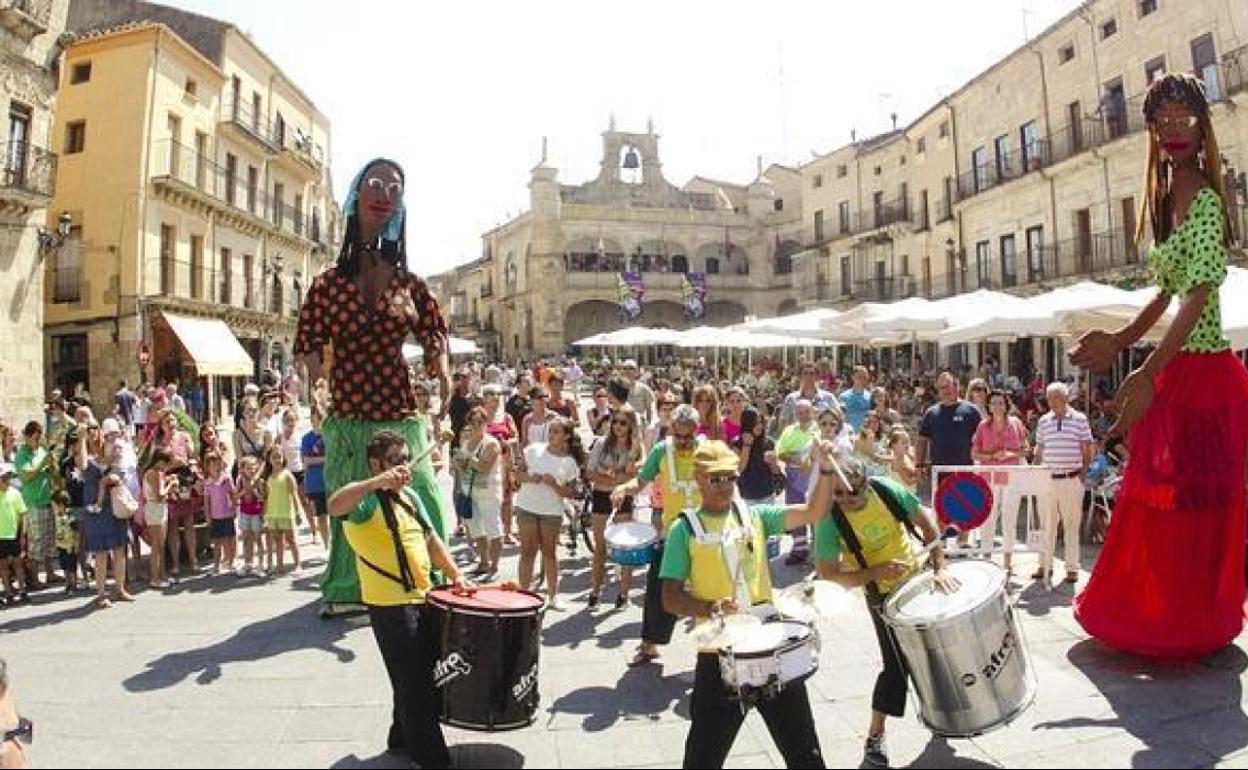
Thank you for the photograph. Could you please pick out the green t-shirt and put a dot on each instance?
(12, 510)
(676, 562)
(882, 537)
(795, 439)
(37, 492)
(1195, 255)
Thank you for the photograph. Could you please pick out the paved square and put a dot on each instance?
(232, 672)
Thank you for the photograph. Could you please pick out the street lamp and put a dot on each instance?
(51, 241)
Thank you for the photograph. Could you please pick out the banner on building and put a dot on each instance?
(693, 293)
(631, 293)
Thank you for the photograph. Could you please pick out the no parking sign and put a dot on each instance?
(963, 501)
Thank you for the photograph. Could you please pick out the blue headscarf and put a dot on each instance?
(392, 228)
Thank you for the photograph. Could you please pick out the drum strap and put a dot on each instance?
(850, 537)
(851, 541)
(388, 500)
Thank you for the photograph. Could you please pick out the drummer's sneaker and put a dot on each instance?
(592, 602)
(875, 753)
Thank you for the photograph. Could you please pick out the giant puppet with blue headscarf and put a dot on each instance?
(357, 315)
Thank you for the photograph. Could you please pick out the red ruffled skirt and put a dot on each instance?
(1169, 582)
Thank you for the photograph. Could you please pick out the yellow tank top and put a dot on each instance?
(369, 537)
(709, 575)
(277, 503)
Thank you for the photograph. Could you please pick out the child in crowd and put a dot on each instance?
(12, 526)
(251, 514)
(282, 507)
(220, 499)
(312, 450)
(66, 536)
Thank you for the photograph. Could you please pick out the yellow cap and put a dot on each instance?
(715, 457)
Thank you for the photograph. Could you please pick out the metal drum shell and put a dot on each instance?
(970, 669)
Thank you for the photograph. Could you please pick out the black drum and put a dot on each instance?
(487, 644)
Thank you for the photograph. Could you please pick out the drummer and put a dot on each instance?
(671, 463)
(396, 548)
(874, 511)
(698, 581)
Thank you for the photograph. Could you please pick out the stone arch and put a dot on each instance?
(657, 255)
(787, 307)
(723, 313)
(582, 254)
(731, 261)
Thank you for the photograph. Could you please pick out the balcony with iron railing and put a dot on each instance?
(652, 281)
(179, 169)
(26, 18)
(240, 116)
(883, 288)
(297, 146)
(29, 173)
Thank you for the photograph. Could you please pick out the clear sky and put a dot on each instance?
(461, 93)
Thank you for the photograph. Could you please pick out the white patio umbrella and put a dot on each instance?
(1235, 307)
(808, 324)
(1064, 312)
(459, 347)
(924, 320)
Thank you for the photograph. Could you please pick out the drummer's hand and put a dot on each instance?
(617, 496)
(393, 479)
(463, 585)
(890, 570)
(724, 607)
(945, 582)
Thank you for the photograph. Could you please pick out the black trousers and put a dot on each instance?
(406, 641)
(717, 719)
(657, 624)
(889, 696)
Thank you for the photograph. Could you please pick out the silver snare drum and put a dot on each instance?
(769, 657)
(965, 655)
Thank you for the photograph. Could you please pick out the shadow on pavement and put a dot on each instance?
(938, 753)
(297, 629)
(1038, 599)
(1167, 705)
(76, 608)
(470, 755)
(641, 691)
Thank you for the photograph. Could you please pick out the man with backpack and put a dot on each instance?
(865, 541)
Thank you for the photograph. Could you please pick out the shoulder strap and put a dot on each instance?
(850, 538)
(894, 506)
(745, 520)
(694, 523)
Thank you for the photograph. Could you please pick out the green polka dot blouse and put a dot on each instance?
(1195, 255)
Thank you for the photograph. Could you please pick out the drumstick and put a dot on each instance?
(418, 458)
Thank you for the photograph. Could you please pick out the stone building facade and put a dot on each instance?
(197, 177)
(549, 277)
(28, 49)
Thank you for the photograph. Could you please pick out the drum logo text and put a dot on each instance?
(524, 686)
(448, 668)
(1000, 657)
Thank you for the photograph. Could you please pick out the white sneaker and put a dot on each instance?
(556, 605)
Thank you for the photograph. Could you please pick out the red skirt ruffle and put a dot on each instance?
(1169, 582)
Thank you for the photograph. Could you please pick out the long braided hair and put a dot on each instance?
(393, 252)
(1157, 207)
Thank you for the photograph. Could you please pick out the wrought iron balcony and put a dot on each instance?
(29, 170)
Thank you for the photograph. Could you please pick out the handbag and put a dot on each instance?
(123, 503)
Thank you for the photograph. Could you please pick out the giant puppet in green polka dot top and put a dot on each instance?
(1195, 255)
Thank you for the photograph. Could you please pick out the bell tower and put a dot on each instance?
(630, 158)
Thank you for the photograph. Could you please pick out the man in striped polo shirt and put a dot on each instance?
(1064, 444)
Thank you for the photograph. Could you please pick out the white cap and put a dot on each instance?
(629, 364)
(109, 427)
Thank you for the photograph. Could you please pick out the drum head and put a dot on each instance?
(491, 599)
(726, 631)
(770, 636)
(631, 534)
(918, 602)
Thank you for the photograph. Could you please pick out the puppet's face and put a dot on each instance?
(381, 192)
